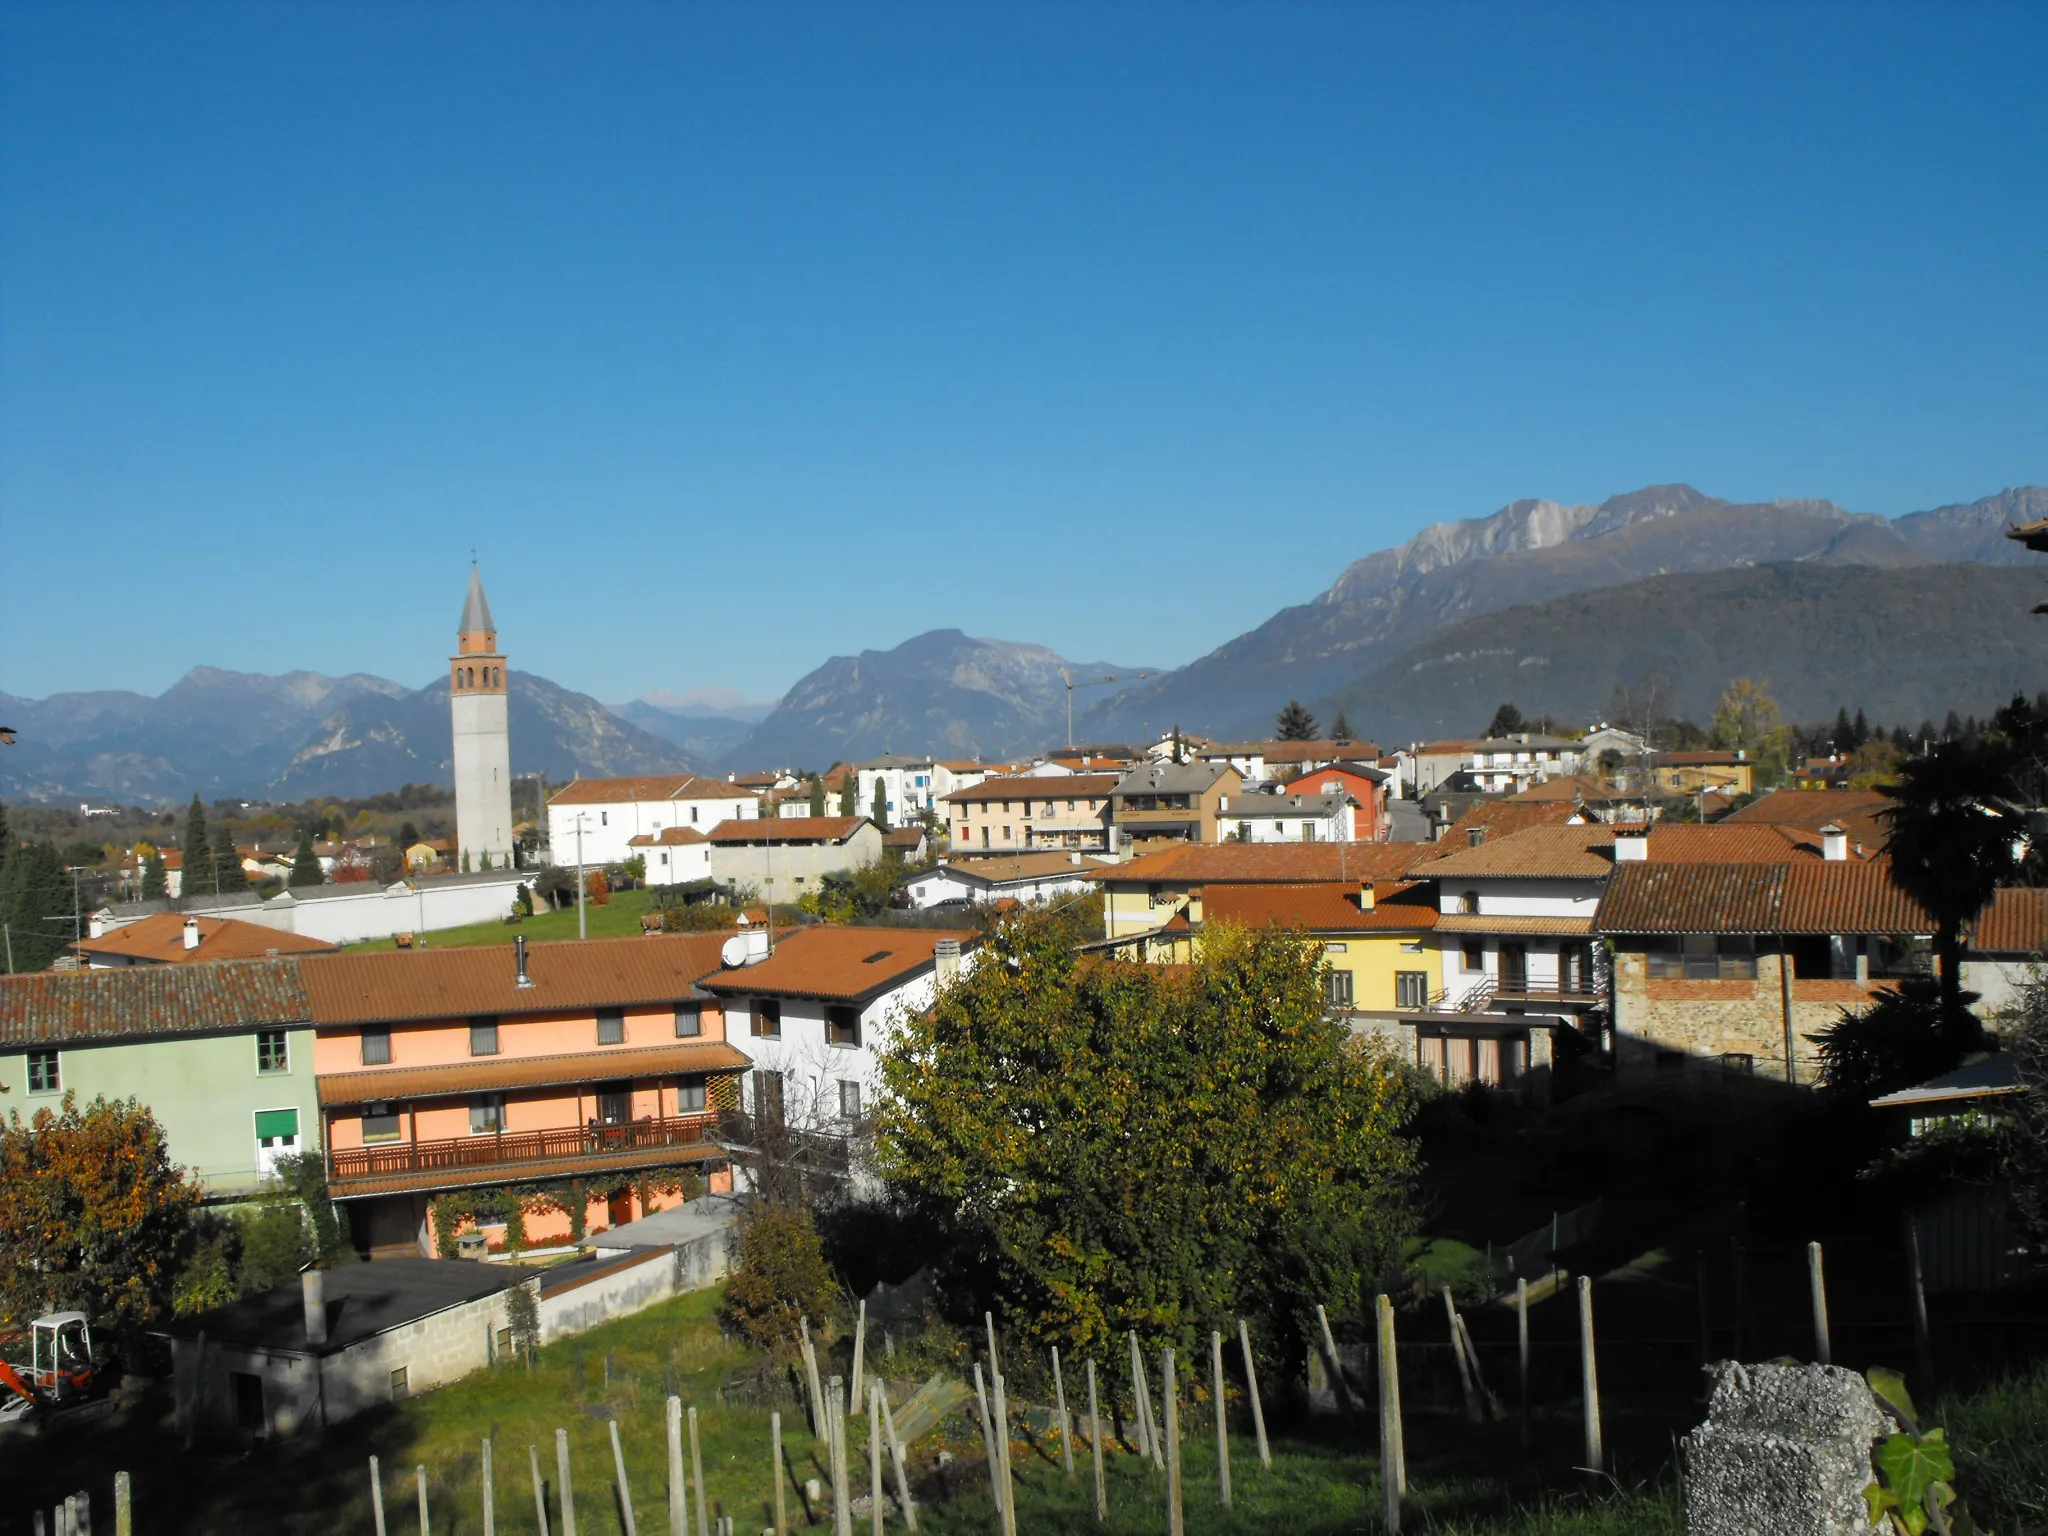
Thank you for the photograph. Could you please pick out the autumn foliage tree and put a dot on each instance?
(779, 1275)
(93, 1215)
(1117, 1146)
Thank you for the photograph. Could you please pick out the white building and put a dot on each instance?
(1515, 916)
(482, 740)
(909, 787)
(675, 856)
(813, 1015)
(1312, 818)
(1507, 765)
(1004, 877)
(610, 813)
(786, 860)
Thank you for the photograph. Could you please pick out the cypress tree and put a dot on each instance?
(305, 862)
(198, 877)
(880, 808)
(849, 795)
(1845, 733)
(153, 884)
(817, 795)
(35, 906)
(1861, 727)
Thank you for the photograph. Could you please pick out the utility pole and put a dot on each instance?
(581, 931)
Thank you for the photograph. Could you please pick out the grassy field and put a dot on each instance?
(617, 918)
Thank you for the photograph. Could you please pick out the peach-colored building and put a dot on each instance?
(598, 1062)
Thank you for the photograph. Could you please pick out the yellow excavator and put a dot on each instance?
(59, 1372)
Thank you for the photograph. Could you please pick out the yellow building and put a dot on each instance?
(1687, 773)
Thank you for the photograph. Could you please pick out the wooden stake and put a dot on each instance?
(1522, 1352)
(811, 1380)
(1923, 1344)
(781, 1492)
(874, 1461)
(490, 1503)
(565, 1488)
(896, 1456)
(376, 1496)
(1472, 1413)
(625, 1488)
(124, 1506)
(678, 1484)
(988, 1441)
(540, 1494)
(1222, 1418)
(1095, 1445)
(1478, 1376)
(1059, 1387)
(1817, 1287)
(1338, 1384)
(1391, 1479)
(842, 1485)
(1251, 1384)
(1008, 1502)
(855, 1404)
(1169, 1394)
(420, 1476)
(1142, 1396)
(696, 1475)
(1589, 1379)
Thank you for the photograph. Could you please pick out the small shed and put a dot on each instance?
(341, 1341)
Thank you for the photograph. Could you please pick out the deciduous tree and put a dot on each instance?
(779, 1275)
(1118, 1146)
(93, 1214)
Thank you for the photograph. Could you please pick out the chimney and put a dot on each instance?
(946, 959)
(1632, 844)
(1474, 836)
(519, 959)
(1074, 859)
(191, 933)
(313, 1291)
(756, 945)
(1834, 843)
(1365, 896)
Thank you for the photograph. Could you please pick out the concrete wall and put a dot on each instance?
(203, 1090)
(371, 911)
(787, 872)
(653, 1276)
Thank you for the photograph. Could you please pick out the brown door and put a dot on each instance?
(619, 1207)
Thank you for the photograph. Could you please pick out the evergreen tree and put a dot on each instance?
(408, 834)
(35, 906)
(1507, 720)
(228, 874)
(305, 862)
(880, 808)
(1952, 727)
(1340, 728)
(1845, 733)
(1861, 727)
(817, 795)
(198, 879)
(1295, 723)
(465, 861)
(153, 883)
(849, 794)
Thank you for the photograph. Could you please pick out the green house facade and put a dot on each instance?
(221, 1053)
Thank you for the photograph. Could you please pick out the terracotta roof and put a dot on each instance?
(1040, 786)
(1322, 906)
(1475, 922)
(903, 837)
(667, 837)
(1568, 787)
(1701, 759)
(843, 964)
(1856, 811)
(1289, 751)
(2016, 923)
(1732, 842)
(659, 786)
(1499, 818)
(787, 829)
(232, 996)
(160, 938)
(1446, 748)
(374, 987)
(492, 1073)
(1019, 866)
(1569, 853)
(1812, 897)
(1238, 863)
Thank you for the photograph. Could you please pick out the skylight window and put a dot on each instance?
(880, 954)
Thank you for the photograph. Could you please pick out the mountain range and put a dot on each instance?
(1549, 605)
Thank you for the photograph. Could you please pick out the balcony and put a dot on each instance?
(499, 1157)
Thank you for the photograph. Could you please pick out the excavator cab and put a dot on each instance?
(62, 1357)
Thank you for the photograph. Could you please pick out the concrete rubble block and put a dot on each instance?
(1785, 1449)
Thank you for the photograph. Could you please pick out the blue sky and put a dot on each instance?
(733, 337)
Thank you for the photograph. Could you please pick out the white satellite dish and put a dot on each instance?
(733, 952)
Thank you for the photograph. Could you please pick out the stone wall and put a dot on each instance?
(1710, 1020)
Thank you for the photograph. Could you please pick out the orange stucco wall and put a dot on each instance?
(439, 1042)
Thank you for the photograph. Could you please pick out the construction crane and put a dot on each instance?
(1074, 682)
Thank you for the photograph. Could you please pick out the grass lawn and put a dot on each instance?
(1464, 1481)
(617, 918)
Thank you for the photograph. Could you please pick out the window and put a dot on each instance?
(849, 1099)
(842, 1024)
(611, 1026)
(504, 1351)
(604, 818)
(768, 1097)
(689, 1022)
(689, 1095)
(1472, 955)
(380, 1122)
(486, 1114)
(42, 1072)
(376, 1047)
(1337, 988)
(483, 1037)
(767, 1018)
(1738, 1063)
(398, 1385)
(1468, 903)
(1411, 990)
(273, 1053)
(1702, 957)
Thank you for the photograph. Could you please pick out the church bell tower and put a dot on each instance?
(483, 749)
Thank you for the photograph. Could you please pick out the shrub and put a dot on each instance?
(780, 1276)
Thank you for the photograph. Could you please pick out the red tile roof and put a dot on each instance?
(660, 786)
(1499, 818)
(1322, 906)
(373, 987)
(1810, 897)
(846, 964)
(2016, 923)
(1235, 863)
(1537, 853)
(160, 939)
(53, 1006)
(1039, 786)
(787, 829)
(1856, 811)
(667, 837)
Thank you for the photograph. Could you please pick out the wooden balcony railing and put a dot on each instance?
(499, 1148)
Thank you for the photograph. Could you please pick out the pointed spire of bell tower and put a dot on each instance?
(477, 635)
